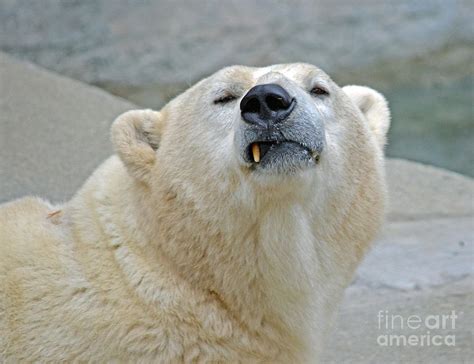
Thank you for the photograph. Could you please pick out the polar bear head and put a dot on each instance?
(268, 131)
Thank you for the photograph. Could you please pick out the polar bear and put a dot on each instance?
(225, 228)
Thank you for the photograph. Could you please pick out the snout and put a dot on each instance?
(281, 130)
(266, 105)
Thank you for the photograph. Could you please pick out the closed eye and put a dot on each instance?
(319, 91)
(225, 99)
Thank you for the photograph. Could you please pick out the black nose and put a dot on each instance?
(267, 104)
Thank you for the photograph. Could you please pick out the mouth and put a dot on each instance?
(281, 155)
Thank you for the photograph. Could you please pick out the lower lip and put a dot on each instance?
(294, 149)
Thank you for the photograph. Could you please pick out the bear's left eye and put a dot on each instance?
(319, 91)
(225, 99)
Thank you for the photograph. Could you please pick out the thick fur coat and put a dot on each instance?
(177, 250)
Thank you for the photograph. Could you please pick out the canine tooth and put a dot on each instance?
(315, 156)
(256, 152)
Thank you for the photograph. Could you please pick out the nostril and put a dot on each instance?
(252, 105)
(276, 103)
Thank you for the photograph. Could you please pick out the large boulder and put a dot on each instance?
(53, 131)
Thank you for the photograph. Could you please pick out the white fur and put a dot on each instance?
(374, 107)
(175, 252)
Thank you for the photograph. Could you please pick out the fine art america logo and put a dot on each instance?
(416, 330)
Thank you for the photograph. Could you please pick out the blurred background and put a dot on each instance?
(418, 53)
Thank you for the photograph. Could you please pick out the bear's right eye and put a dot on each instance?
(225, 99)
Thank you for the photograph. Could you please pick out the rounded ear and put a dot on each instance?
(136, 136)
(375, 109)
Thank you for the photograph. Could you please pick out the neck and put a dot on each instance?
(253, 258)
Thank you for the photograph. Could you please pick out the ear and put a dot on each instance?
(375, 109)
(136, 136)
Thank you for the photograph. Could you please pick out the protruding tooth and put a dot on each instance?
(315, 156)
(256, 152)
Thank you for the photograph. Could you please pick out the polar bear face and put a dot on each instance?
(276, 127)
(277, 124)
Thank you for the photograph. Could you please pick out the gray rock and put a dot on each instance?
(419, 191)
(53, 131)
(145, 42)
(354, 339)
(420, 255)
